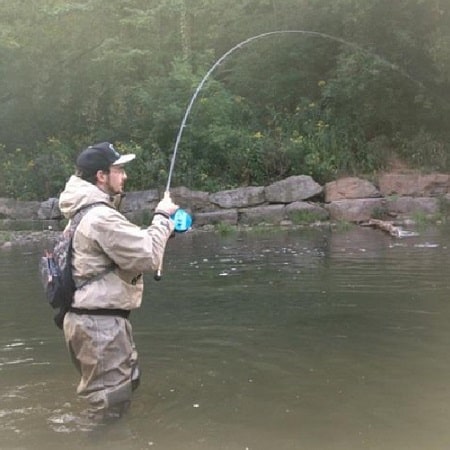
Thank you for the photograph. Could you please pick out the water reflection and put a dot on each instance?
(296, 339)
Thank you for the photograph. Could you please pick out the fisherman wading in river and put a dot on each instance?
(109, 256)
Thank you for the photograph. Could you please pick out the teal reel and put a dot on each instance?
(182, 220)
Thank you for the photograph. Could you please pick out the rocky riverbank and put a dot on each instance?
(10, 239)
(394, 196)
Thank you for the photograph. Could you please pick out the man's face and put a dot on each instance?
(115, 180)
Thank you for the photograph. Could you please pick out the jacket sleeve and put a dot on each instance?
(128, 246)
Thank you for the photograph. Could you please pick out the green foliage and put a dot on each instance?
(425, 152)
(422, 220)
(39, 173)
(343, 226)
(224, 229)
(380, 213)
(5, 236)
(304, 217)
(149, 170)
(444, 209)
(75, 73)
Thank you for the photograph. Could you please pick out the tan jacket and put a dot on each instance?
(105, 238)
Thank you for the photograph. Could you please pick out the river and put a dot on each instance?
(304, 339)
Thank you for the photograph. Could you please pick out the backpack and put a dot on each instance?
(56, 268)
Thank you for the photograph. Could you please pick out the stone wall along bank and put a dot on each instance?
(297, 199)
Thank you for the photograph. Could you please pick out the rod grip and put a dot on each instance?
(158, 272)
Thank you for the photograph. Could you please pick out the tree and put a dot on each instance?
(72, 73)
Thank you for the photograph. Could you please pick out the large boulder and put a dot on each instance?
(227, 216)
(269, 214)
(16, 209)
(350, 188)
(355, 210)
(238, 198)
(191, 200)
(49, 210)
(140, 201)
(414, 184)
(410, 205)
(296, 210)
(292, 189)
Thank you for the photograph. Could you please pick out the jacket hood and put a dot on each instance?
(78, 193)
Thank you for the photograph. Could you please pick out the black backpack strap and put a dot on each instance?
(73, 224)
(76, 219)
(80, 212)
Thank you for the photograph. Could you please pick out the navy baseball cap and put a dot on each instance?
(100, 157)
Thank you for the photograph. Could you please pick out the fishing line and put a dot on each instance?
(254, 38)
(182, 219)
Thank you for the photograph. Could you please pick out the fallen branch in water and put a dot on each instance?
(386, 226)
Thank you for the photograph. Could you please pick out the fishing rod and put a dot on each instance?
(182, 219)
(254, 38)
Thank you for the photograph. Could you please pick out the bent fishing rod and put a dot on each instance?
(182, 219)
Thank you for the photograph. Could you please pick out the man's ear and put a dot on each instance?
(101, 176)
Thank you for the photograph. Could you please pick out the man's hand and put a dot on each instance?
(166, 206)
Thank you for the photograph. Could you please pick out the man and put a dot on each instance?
(109, 256)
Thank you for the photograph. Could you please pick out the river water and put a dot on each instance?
(306, 339)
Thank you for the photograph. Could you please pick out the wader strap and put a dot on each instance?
(101, 312)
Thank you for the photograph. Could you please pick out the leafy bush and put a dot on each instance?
(424, 151)
(37, 174)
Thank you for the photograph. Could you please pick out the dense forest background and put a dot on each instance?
(72, 73)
